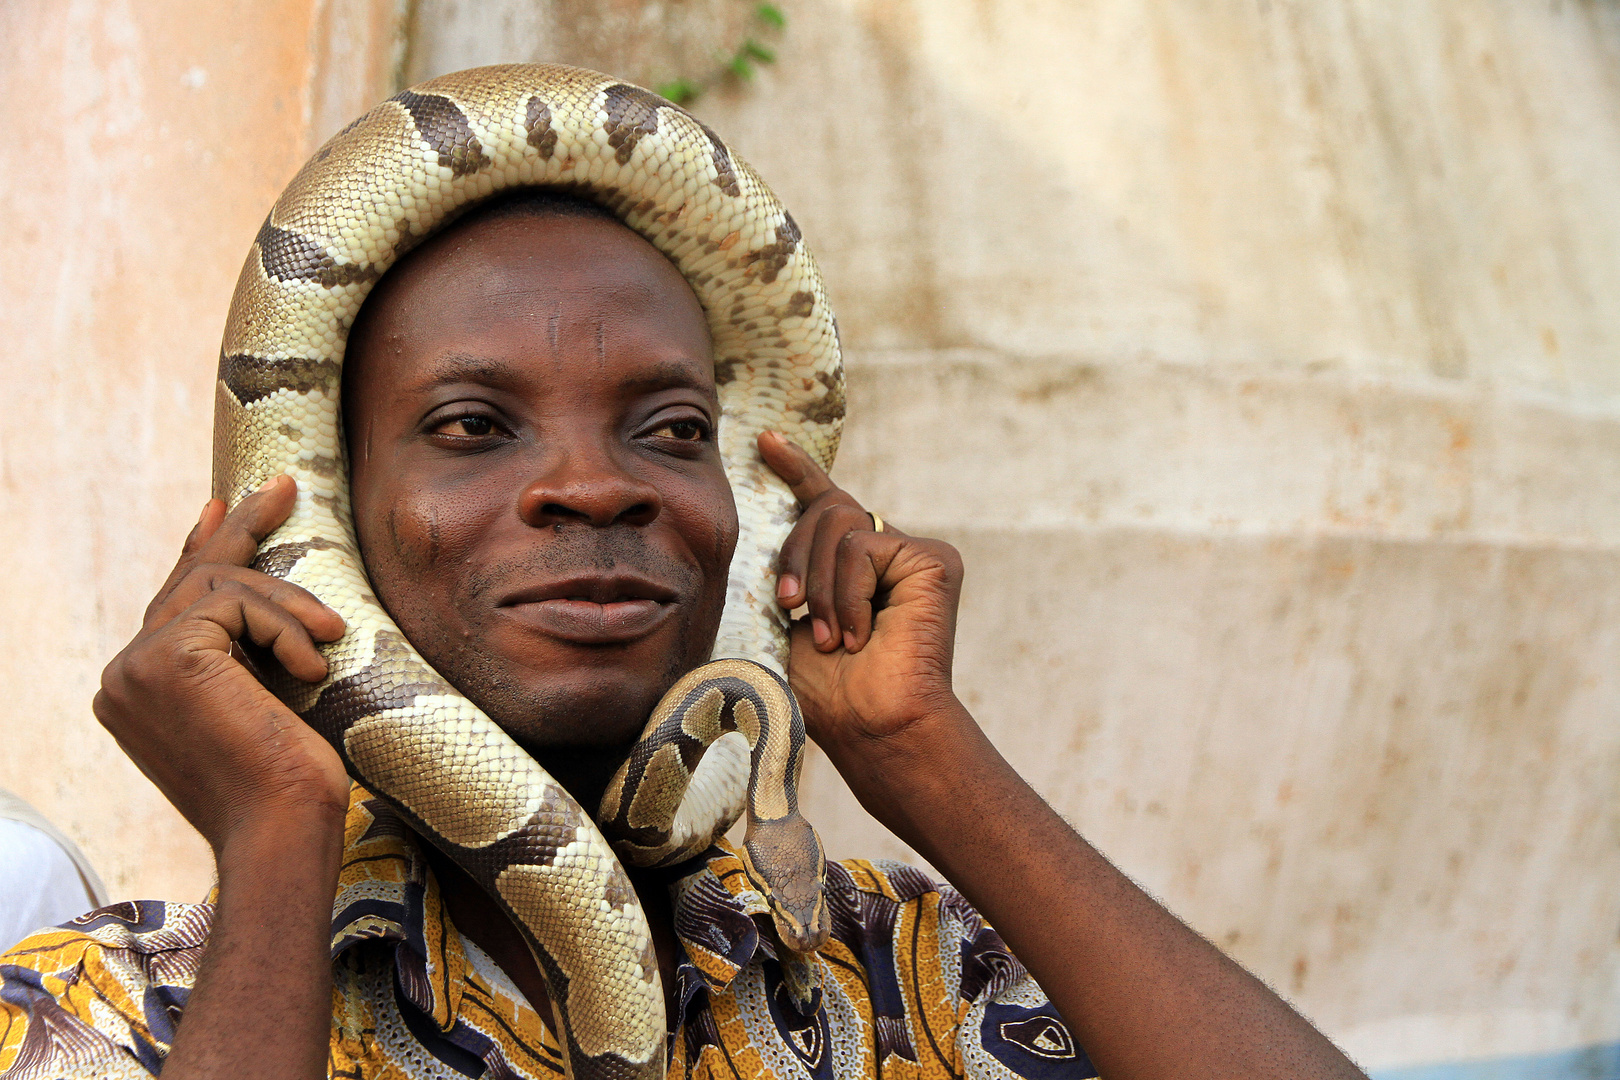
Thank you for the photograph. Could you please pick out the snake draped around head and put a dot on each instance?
(728, 737)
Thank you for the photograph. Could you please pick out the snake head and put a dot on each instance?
(783, 860)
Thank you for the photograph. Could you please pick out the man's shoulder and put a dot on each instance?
(869, 886)
(140, 927)
(102, 991)
(122, 952)
(887, 878)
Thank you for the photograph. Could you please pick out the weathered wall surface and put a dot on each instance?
(145, 143)
(1260, 357)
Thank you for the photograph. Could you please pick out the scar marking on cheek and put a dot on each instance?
(722, 538)
(402, 534)
(393, 531)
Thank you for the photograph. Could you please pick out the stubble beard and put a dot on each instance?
(592, 716)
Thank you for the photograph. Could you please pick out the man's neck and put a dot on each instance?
(584, 774)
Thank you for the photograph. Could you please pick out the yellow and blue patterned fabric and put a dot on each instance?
(912, 985)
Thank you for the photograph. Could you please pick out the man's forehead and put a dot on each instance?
(534, 284)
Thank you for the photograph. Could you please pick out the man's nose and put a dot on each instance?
(585, 485)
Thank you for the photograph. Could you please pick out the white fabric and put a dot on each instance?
(39, 884)
(13, 808)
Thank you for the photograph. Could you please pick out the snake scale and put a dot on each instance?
(376, 189)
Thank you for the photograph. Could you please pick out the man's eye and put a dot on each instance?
(474, 426)
(684, 430)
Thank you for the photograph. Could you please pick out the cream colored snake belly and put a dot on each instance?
(377, 188)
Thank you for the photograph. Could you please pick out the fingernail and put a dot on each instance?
(849, 641)
(788, 586)
(820, 631)
(204, 513)
(267, 484)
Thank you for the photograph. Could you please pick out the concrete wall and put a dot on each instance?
(1260, 357)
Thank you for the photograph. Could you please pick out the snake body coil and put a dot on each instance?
(375, 190)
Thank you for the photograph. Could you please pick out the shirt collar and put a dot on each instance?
(387, 893)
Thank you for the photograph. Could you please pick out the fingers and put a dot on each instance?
(843, 584)
(324, 624)
(827, 591)
(213, 512)
(807, 480)
(241, 613)
(214, 602)
(807, 565)
(238, 537)
(818, 497)
(860, 561)
(154, 665)
(230, 537)
(820, 566)
(855, 574)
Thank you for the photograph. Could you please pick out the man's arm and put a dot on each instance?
(265, 791)
(871, 665)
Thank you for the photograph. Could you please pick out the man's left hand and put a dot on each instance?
(872, 658)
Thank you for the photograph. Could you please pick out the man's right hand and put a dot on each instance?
(266, 792)
(198, 723)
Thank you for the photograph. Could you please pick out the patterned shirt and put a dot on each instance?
(912, 984)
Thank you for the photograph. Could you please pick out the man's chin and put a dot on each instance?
(550, 694)
(594, 713)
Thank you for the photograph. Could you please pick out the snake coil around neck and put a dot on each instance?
(376, 189)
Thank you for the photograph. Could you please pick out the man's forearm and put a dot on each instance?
(1145, 995)
(262, 1005)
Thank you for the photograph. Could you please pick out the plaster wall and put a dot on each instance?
(1260, 358)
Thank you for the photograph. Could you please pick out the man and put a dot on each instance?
(531, 412)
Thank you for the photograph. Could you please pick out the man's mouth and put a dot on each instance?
(593, 610)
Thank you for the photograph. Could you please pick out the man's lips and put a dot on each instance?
(592, 610)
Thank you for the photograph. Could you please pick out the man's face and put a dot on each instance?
(530, 413)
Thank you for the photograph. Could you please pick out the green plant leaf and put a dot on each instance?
(738, 63)
(681, 91)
